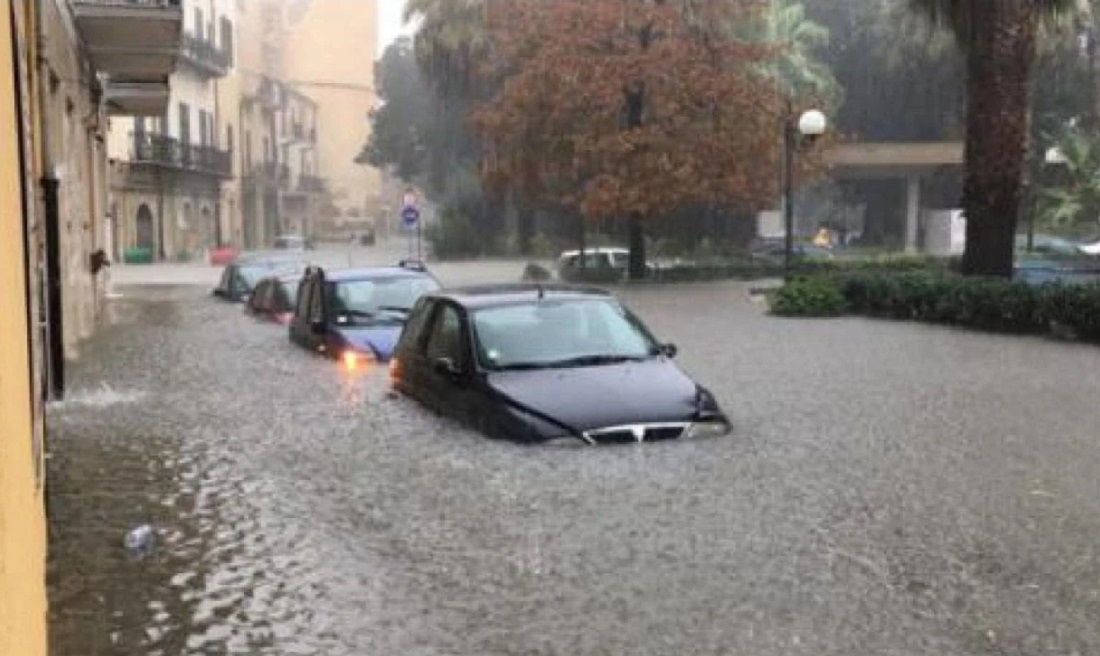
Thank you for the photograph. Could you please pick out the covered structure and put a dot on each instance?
(910, 162)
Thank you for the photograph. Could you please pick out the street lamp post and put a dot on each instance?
(811, 125)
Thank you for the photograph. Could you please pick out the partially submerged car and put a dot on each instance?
(357, 314)
(600, 264)
(274, 299)
(539, 363)
(240, 277)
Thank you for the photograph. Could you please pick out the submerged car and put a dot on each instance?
(599, 264)
(274, 299)
(240, 277)
(357, 314)
(536, 363)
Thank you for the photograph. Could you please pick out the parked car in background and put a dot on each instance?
(537, 363)
(364, 237)
(357, 314)
(773, 251)
(1054, 259)
(599, 264)
(274, 298)
(239, 277)
(292, 243)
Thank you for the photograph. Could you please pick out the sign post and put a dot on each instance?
(410, 221)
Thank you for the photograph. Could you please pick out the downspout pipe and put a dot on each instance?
(50, 183)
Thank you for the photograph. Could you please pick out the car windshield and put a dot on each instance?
(253, 272)
(291, 287)
(376, 299)
(551, 333)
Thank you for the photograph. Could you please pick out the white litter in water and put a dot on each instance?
(103, 397)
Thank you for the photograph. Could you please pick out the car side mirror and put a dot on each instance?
(669, 350)
(447, 367)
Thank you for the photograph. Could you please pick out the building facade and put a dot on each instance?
(171, 174)
(65, 67)
(302, 118)
(339, 77)
(22, 516)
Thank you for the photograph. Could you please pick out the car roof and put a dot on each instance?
(482, 296)
(259, 257)
(367, 273)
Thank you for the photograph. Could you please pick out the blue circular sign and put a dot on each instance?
(409, 216)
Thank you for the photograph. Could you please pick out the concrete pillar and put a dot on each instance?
(912, 213)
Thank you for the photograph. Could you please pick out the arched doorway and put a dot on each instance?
(145, 235)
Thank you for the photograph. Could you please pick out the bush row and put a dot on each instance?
(994, 305)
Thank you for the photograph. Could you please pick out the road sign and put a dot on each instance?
(410, 216)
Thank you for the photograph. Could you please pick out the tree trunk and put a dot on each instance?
(1000, 58)
(636, 237)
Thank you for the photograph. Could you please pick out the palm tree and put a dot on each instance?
(999, 39)
(798, 67)
(450, 39)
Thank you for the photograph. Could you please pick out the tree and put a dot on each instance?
(999, 39)
(1076, 198)
(629, 109)
(401, 127)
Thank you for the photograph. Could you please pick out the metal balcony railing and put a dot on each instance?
(171, 152)
(204, 54)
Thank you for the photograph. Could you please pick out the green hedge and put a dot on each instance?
(993, 305)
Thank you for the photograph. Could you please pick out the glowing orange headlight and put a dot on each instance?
(351, 360)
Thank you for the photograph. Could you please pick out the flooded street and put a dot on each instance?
(888, 489)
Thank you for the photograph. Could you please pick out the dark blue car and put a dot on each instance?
(357, 314)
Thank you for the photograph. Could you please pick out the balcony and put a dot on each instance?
(204, 56)
(131, 40)
(136, 98)
(271, 174)
(170, 152)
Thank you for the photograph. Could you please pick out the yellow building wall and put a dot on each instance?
(22, 515)
(329, 56)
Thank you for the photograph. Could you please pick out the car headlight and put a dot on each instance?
(354, 359)
(705, 429)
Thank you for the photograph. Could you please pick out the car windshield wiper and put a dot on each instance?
(394, 308)
(580, 361)
(597, 359)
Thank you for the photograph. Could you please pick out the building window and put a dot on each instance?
(248, 149)
(227, 39)
(202, 127)
(229, 138)
(185, 123)
(200, 24)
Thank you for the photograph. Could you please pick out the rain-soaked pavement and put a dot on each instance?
(889, 489)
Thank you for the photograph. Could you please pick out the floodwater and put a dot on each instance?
(889, 489)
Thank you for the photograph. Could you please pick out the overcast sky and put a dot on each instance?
(389, 22)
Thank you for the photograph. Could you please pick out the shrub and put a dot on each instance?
(454, 237)
(1076, 307)
(989, 304)
(816, 296)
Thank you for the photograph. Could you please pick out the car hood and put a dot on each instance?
(379, 340)
(587, 398)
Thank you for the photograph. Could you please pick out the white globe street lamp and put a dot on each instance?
(811, 125)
